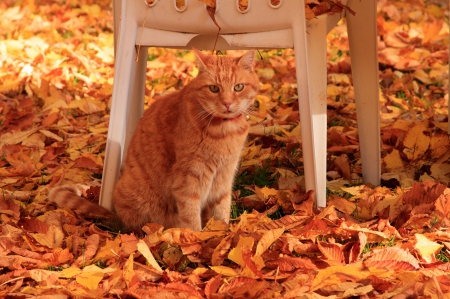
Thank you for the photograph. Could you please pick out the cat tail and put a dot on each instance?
(69, 196)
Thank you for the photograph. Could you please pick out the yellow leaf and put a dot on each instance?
(90, 280)
(268, 191)
(353, 270)
(236, 253)
(145, 251)
(434, 10)
(216, 225)
(226, 271)
(128, 271)
(426, 248)
(393, 160)
(267, 239)
(402, 124)
(266, 73)
(421, 75)
(439, 145)
(333, 90)
(111, 248)
(69, 272)
(416, 142)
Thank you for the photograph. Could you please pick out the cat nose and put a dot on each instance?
(227, 105)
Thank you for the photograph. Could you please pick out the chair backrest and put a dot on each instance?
(260, 15)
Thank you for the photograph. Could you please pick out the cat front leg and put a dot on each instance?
(187, 191)
(222, 209)
(220, 195)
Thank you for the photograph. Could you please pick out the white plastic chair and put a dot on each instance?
(261, 26)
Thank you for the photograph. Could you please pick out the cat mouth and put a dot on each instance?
(228, 118)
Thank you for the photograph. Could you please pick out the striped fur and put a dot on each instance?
(182, 159)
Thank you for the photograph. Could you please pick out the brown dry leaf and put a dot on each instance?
(53, 238)
(344, 166)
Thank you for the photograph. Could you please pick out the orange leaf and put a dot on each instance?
(358, 247)
(236, 253)
(267, 239)
(442, 205)
(392, 258)
(183, 288)
(288, 263)
(431, 31)
(212, 286)
(332, 252)
(221, 250)
(90, 248)
(247, 257)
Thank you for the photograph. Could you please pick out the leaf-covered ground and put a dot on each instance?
(56, 75)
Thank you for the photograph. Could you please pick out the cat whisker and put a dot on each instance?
(257, 116)
(201, 116)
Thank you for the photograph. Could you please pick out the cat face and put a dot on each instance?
(226, 85)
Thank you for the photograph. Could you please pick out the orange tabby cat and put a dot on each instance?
(184, 154)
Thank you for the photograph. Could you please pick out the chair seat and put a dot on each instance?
(261, 26)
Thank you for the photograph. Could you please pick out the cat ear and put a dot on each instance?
(201, 59)
(246, 60)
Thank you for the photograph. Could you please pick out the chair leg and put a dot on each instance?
(123, 101)
(362, 31)
(317, 84)
(306, 108)
(117, 10)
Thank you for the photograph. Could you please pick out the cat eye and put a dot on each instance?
(214, 88)
(238, 87)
